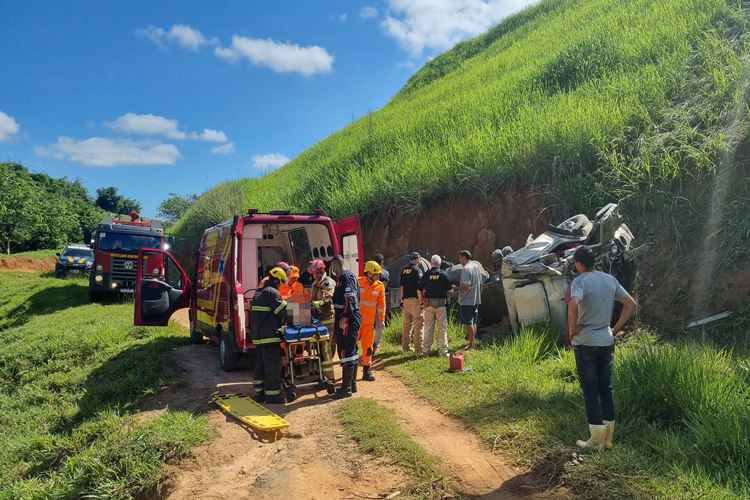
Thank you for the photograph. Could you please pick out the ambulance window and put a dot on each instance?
(330, 250)
(316, 253)
(301, 245)
(322, 251)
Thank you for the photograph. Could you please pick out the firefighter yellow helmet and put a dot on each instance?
(278, 273)
(373, 267)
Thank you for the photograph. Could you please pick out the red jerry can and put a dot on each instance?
(456, 362)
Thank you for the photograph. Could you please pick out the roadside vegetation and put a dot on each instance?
(72, 376)
(376, 430)
(683, 426)
(588, 101)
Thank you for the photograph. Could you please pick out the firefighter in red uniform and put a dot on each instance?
(372, 301)
(265, 330)
(348, 320)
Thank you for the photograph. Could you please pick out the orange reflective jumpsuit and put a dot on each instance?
(372, 305)
(296, 289)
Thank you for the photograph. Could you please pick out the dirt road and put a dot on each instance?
(314, 458)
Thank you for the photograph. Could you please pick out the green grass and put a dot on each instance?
(594, 100)
(683, 422)
(33, 254)
(72, 376)
(376, 430)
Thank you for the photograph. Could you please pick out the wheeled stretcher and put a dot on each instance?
(306, 359)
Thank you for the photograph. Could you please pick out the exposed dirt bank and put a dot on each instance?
(448, 225)
(27, 264)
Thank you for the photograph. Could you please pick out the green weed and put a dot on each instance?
(377, 431)
(72, 376)
(681, 408)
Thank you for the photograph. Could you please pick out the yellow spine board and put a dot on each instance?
(250, 412)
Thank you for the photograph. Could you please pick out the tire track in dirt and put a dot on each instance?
(478, 472)
(315, 458)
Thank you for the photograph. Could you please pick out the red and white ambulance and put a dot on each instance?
(232, 259)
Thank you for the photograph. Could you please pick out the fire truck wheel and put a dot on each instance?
(196, 337)
(228, 355)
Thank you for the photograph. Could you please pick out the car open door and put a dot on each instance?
(349, 233)
(161, 287)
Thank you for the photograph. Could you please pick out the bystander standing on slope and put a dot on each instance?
(469, 295)
(592, 297)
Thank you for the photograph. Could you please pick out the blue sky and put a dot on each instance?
(159, 97)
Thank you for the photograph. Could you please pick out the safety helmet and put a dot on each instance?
(294, 272)
(278, 273)
(316, 266)
(373, 267)
(285, 267)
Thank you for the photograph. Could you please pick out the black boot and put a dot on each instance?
(345, 391)
(367, 374)
(354, 379)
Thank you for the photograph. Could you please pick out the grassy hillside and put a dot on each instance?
(629, 100)
(72, 375)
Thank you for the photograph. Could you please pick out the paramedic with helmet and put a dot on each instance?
(266, 318)
(372, 300)
(346, 327)
(321, 295)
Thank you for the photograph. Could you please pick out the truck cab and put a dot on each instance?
(115, 243)
(232, 259)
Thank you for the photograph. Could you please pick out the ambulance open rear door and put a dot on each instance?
(349, 234)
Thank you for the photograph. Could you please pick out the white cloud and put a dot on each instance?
(368, 12)
(180, 34)
(9, 127)
(103, 152)
(152, 34)
(147, 125)
(224, 149)
(210, 135)
(280, 57)
(269, 161)
(189, 38)
(342, 17)
(419, 25)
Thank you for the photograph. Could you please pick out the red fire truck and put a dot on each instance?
(232, 259)
(116, 242)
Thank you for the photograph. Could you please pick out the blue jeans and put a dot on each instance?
(595, 366)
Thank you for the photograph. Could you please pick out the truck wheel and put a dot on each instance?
(196, 337)
(228, 356)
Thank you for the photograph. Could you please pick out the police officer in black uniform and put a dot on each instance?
(411, 303)
(435, 287)
(346, 328)
(265, 330)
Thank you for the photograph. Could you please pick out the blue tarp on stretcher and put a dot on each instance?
(299, 333)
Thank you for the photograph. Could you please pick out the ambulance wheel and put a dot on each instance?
(290, 396)
(196, 337)
(228, 356)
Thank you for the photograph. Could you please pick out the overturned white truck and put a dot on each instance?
(536, 278)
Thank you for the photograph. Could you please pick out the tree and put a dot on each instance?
(174, 206)
(18, 212)
(110, 200)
